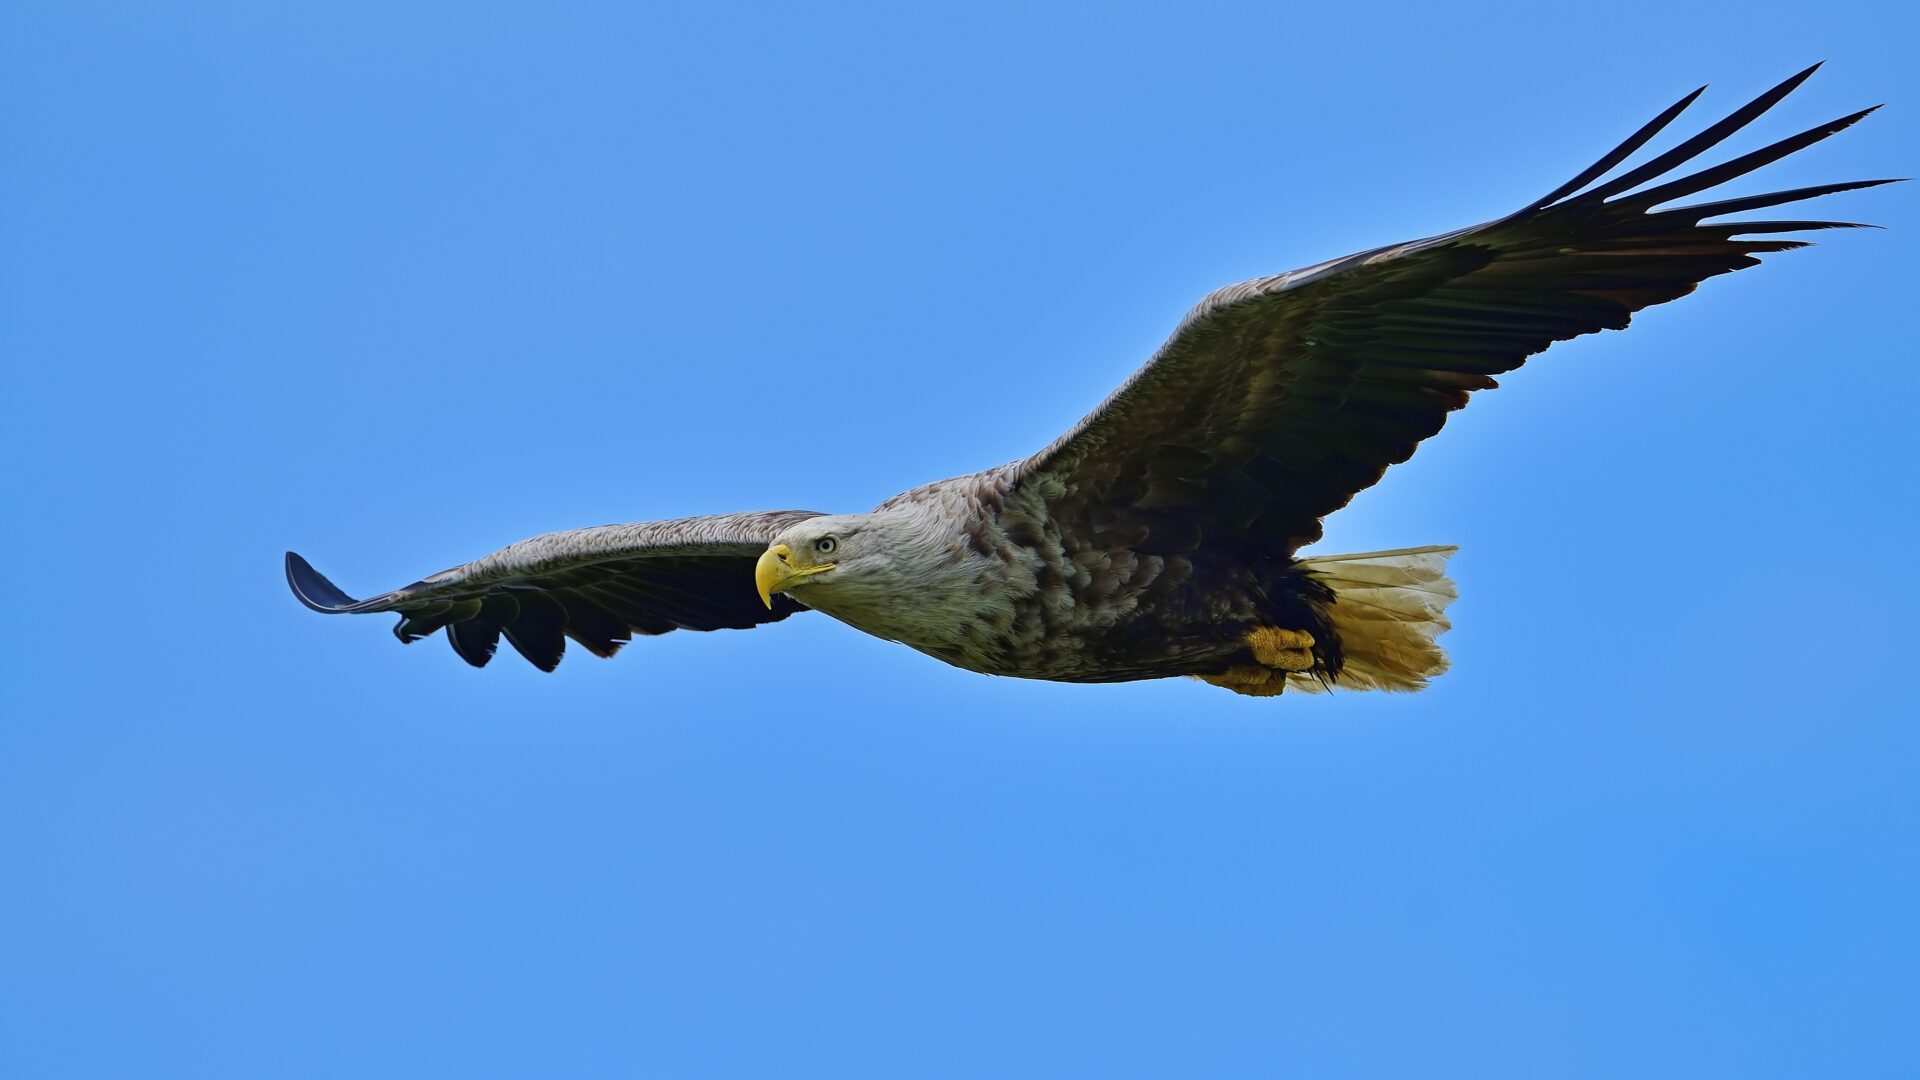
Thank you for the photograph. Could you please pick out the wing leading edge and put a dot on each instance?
(598, 587)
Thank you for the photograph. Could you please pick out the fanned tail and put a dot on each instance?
(1388, 607)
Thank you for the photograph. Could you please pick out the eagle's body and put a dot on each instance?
(1003, 586)
(1160, 536)
(998, 588)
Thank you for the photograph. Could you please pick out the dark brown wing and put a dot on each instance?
(1277, 400)
(597, 586)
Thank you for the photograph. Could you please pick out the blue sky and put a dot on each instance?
(395, 285)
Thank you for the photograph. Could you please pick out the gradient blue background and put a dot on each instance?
(393, 287)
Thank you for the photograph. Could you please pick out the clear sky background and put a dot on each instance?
(393, 285)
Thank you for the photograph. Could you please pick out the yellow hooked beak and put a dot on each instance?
(776, 573)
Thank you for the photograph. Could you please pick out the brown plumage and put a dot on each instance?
(1160, 536)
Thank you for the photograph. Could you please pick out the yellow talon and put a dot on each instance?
(1249, 679)
(1287, 650)
(1276, 653)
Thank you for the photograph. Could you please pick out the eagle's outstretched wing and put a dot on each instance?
(1277, 400)
(597, 586)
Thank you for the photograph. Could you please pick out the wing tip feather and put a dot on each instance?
(312, 588)
(1625, 184)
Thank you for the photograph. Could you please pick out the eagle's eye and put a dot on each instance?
(825, 545)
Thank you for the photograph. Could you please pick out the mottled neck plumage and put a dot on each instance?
(933, 587)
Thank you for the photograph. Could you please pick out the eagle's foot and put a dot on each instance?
(1276, 654)
(1282, 650)
(1249, 679)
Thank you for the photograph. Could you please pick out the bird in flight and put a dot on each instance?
(1160, 535)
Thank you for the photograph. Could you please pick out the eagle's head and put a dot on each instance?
(903, 572)
(814, 557)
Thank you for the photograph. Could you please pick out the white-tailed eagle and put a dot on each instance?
(1159, 536)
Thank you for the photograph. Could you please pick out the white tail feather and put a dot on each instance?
(1388, 608)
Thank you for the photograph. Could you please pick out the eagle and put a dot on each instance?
(1161, 535)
